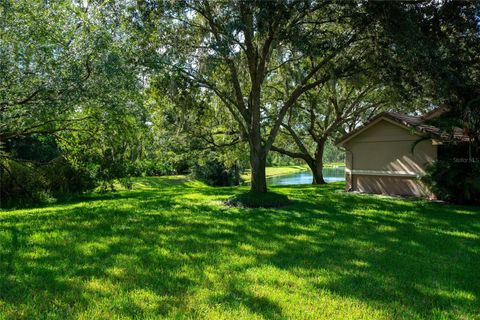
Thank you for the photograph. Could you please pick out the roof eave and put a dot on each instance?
(382, 116)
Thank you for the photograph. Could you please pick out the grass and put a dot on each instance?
(277, 171)
(170, 249)
(334, 164)
(258, 200)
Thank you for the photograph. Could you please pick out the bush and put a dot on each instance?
(154, 168)
(258, 200)
(455, 181)
(25, 183)
(216, 173)
(33, 169)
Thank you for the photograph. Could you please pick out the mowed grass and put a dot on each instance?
(170, 249)
(277, 171)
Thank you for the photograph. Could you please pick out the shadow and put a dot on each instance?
(172, 249)
(237, 298)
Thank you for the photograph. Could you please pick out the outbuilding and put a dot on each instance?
(390, 153)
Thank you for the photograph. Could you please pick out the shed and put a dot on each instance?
(389, 154)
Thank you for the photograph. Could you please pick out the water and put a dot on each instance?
(305, 177)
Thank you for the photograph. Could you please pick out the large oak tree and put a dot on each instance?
(235, 51)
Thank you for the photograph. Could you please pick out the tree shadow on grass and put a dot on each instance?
(54, 257)
(147, 252)
(236, 297)
(418, 255)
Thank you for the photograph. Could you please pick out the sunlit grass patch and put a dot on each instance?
(168, 248)
(277, 171)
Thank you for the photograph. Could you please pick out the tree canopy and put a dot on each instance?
(104, 90)
(241, 51)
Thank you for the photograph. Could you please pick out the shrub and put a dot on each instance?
(455, 181)
(154, 168)
(216, 173)
(24, 183)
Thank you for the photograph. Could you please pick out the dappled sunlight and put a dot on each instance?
(169, 250)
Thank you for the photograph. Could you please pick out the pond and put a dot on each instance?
(305, 177)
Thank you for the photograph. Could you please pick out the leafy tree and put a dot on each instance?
(69, 76)
(190, 125)
(235, 50)
(433, 50)
(336, 107)
(419, 58)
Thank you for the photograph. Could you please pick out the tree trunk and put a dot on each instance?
(317, 171)
(258, 161)
(317, 164)
(258, 154)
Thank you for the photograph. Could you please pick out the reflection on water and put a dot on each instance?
(305, 177)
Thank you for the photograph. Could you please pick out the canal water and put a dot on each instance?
(305, 177)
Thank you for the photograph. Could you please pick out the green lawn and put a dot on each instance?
(277, 171)
(334, 164)
(170, 249)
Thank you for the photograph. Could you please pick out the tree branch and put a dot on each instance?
(297, 155)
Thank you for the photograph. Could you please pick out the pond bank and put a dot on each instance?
(305, 177)
(284, 170)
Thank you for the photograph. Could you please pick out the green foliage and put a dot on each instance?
(40, 149)
(271, 52)
(275, 159)
(217, 173)
(69, 91)
(436, 58)
(32, 169)
(103, 90)
(455, 181)
(62, 63)
(430, 51)
(189, 129)
(154, 168)
(332, 154)
(343, 103)
(26, 183)
(169, 249)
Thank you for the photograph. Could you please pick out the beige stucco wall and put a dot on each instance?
(390, 185)
(381, 160)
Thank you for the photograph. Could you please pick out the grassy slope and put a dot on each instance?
(169, 249)
(277, 171)
(334, 164)
(282, 170)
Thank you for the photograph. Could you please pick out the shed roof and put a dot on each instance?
(416, 123)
